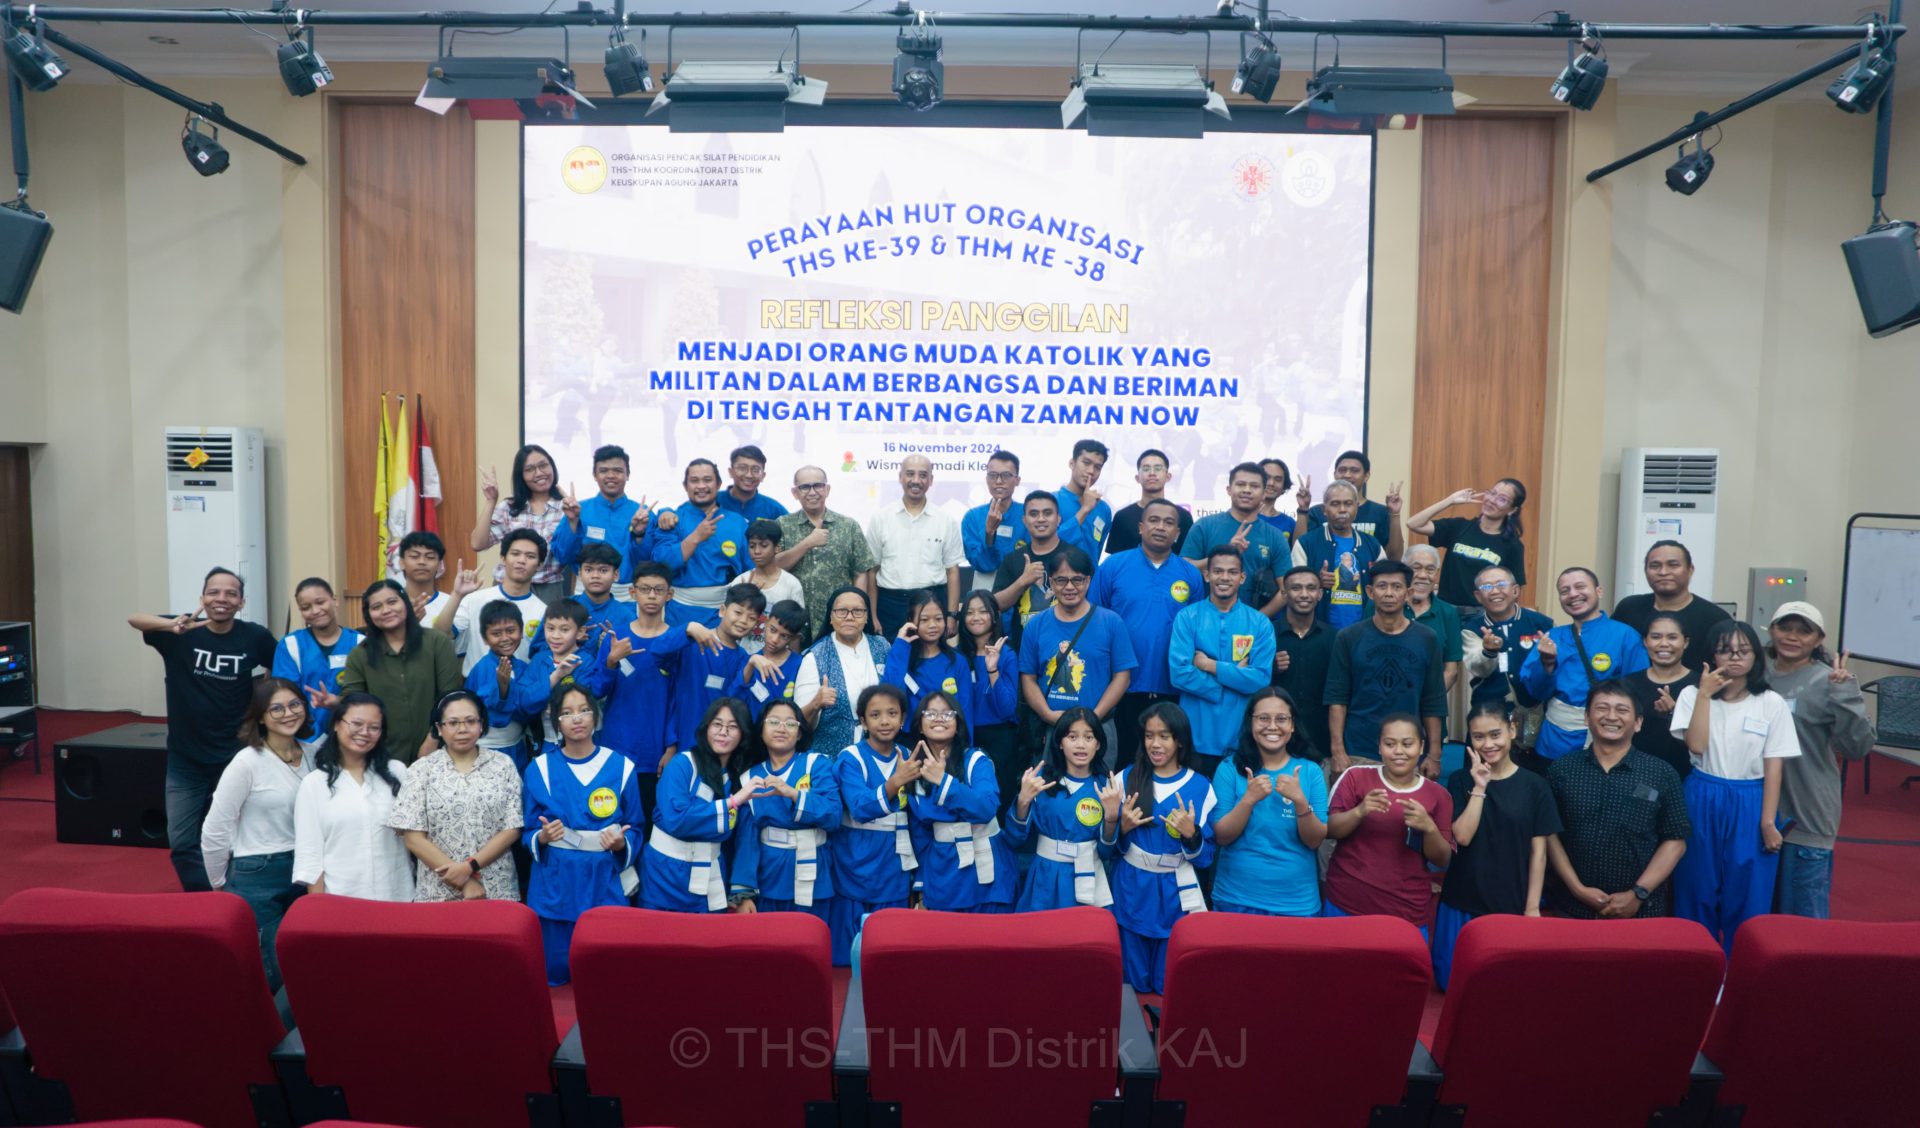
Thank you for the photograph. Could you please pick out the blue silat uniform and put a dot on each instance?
(714, 563)
(639, 713)
(591, 674)
(872, 850)
(1069, 861)
(966, 865)
(574, 874)
(759, 692)
(307, 664)
(607, 616)
(702, 679)
(995, 699)
(1090, 534)
(1148, 596)
(1156, 884)
(945, 672)
(684, 865)
(984, 553)
(508, 713)
(602, 521)
(1216, 703)
(1613, 651)
(784, 851)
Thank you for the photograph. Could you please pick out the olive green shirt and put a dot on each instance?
(836, 564)
(408, 684)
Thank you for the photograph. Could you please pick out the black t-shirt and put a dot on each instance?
(209, 683)
(1035, 599)
(1126, 529)
(1469, 549)
(1306, 679)
(1655, 737)
(1696, 619)
(1489, 875)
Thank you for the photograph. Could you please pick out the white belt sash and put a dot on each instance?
(972, 845)
(1184, 878)
(703, 860)
(1565, 715)
(1089, 876)
(805, 842)
(897, 824)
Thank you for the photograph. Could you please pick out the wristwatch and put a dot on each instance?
(1642, 893)
(473, 864)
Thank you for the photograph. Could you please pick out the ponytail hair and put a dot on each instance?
(1513, 528)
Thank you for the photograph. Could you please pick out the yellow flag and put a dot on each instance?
(380, 485)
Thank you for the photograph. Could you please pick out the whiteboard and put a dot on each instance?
(1880, 602)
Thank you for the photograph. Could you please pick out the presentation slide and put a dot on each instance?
(849, 296)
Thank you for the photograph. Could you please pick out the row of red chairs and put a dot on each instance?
(431, 1015)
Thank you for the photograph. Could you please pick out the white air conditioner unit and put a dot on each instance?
(216, 513)
(1667, 493)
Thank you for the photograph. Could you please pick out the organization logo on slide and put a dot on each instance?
(1252, 176)
(584, 169)
(1308, 178)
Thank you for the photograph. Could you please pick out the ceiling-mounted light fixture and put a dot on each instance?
(1377, 91)
(919, 79)
(205, 153)
(734, 97)
(1585, 76)
(1859, 87)
(1259, 70)
(29, 56)
(627, 70)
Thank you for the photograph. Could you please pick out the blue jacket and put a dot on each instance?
(1216, 703)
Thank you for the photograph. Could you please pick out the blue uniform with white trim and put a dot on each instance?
(716, 561)
(995, 698)
(945, 672)
(591, 674)
(307, 664)
(638, 722)
(1241, 640)
(758, 691)
(509, 712)
(1154, 884)
(965, 863)
(607, 615)
(703, 679)
(1613, 651)
(984, 553)
(688, 811)
(574, 875)
(785, 843)
(1148, 596)
(874, 865)
(1065, 816)
(1090, 534)
(761, 508)
(601, 522)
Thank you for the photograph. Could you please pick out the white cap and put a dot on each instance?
(1804, 610)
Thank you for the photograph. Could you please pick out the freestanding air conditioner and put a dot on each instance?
(1667, 493)
(216, 513)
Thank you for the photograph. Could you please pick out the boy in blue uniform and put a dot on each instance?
(502, 683)
(1341, 553)
(874, 862)
(571, 655)
(1147, 587)
(1221, 654)
(769, 675)
(1166, 835)
(988, 532)
(1085, 520)
(705, 549)
(600, 568)
(1263, 548)
(706, 672)
(313, 658)
(583, 823)
(1572, 659)
(783, 852)
(605, 518)
(642, 658)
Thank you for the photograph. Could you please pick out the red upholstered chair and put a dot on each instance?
(964, 1020)
(1250, 999)
(688, 1019)
(1621, 1004)
(432, 1015)
(147, 1122)
(141, 1005)
(1808, 1031)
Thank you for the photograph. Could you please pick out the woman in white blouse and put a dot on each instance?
(836, 669)
(247, 841)
(341, 841)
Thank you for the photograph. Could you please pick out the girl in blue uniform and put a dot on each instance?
(697, 807)
(583, 823)
(1072, 813)
(1166, 833)
(872, 851)
(783, 853)
(313, 658)
(995, 667)
(922, 661)
(953, 810)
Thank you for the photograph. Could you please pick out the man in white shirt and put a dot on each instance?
(917, 546)
(521, 554)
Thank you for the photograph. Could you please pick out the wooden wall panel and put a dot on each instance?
(407, 323)
(16, 536)
(1480, 369)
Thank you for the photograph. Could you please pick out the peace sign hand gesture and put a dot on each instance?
(1840, 673)
(992, 655)
(570, 505)
(1304, 495)
(637, 528)
(1482, 772)
(1239, 541)
(1393, 498)
(490, 487)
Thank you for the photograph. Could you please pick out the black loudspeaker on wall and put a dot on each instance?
(1886, 276)
(110, 788)
(23, 241)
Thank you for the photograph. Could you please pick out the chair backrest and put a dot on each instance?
(424, 1014)
(970, 1016)
(142, 1004)
(1896, 720)
(1251, 998)
(1633, 998)
(1806, 1031)
(697, 1019)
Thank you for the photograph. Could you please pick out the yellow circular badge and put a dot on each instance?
(1181, 591)
(603, 802)
(950, 686)
(1089, 811)
(584, 169)
(729, 549)
(806, 781)
(733, 817)
(787, 692)
(1602, 663)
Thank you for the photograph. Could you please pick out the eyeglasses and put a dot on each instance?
(748, 470)
(576, 715)
(1001, 476)
(810, 487)
(1497, 585)
(460, 722)
(723, 726)
(1272, 722)
(848, 612)
(782, 724)
(1070, 581)
(285, 709)
(937, 715)
(1730, 652)
(652, 589)
(365, 728)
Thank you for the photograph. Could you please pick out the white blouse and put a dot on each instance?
(252, 812)
(856, 667)
(341, 833)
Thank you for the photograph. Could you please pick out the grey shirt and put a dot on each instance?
(1831, 721)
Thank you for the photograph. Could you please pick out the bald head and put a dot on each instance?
(916, 475)
(810, 489)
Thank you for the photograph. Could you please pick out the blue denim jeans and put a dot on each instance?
(1806, 881)
(265, 882)
(189, 793)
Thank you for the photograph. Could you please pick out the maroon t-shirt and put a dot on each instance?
(1374, 871)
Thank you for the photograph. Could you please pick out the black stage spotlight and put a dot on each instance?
(919, 79)
(32, 60)
(302, 68)
(204, 151)
(627, 71)
(1859, 86)
(1259, 71)
(1585, 76)
(1692, 169)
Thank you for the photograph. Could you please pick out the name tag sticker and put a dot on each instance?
(626, 667)
(337, 661)
(1503, 661)
(1004, 531)
(595, 532)
(912, 686)
(1756, 726)
(715, 681)
(779, 836)
(759, 691)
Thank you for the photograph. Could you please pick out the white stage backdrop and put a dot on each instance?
(847, 296)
